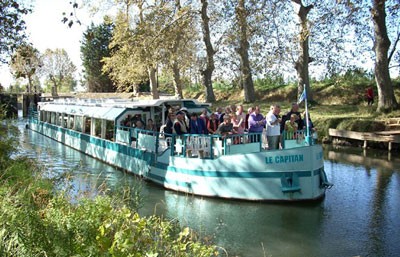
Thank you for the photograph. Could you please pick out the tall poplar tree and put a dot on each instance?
(94, 48)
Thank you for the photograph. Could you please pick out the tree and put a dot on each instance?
(207, 72)
(243, 51)
(25, 63)
(386, 97)
(58, 69)
(301, 64)
(12, 27)
(94, 48)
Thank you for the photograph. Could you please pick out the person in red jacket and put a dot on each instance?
(370, 96)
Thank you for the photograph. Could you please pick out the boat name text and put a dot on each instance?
(284, 158)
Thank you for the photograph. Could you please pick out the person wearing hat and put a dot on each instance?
(180, 126)
(186, 116)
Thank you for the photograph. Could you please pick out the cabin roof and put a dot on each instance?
(107, 113)
(108, 108)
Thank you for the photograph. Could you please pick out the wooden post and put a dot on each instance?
(365, 144)
(390, 146)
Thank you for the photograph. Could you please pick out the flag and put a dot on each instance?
(303, 95)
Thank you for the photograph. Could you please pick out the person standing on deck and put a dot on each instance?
(256, 123)
(293, 110)
(196, 125)
(273, 127)
(180, 127)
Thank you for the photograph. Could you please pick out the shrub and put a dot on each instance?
(38, 220)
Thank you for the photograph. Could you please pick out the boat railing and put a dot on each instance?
(189, 145)
(212, 146)
(299, 138)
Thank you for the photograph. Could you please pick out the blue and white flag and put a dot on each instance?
(303, 95)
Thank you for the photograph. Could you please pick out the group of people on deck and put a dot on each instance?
(233, 120)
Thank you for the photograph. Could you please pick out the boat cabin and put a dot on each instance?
(104, 117)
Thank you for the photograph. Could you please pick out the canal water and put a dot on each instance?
(358, 217)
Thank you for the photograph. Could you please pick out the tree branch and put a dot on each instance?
(394, 47)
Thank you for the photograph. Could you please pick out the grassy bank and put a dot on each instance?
(38, 220)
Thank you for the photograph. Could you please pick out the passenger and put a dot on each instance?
(180, 126)
(291, 127)
(127, 121)
(218, 113)
(187, 116)
(228, 111)
(273, 127)
(241, 116)
(139, 124)
(293, 110)
(226, 127)
(237, 127)
(212, 124)
(249, 111)
(196, 125)
(169, 123)
(205, 118)
(150, 125)
(256, 124)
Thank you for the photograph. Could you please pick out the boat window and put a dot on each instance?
(88, 122)
(110, 130)
(53, 118)
(78, 123)
(97, 127)
(71, 121)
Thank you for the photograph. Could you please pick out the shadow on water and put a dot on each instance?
(358, 217)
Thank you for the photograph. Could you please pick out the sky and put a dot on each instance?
(46, 30)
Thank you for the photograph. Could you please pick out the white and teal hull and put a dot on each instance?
(282, 175)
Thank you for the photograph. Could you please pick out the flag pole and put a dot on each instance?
(308, 136)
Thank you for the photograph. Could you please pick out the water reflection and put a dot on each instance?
(359, 215)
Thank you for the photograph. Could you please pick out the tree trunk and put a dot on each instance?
(175, 63)
(243, 51)
(206, 74)
(54, 88)
(177, 80)
(153, 82)
(29, 89)
(386, 98)
(301, 65)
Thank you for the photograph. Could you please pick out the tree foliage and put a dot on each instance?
(94, 48)
(247, 40)
(58, 69)
(12, 27)
(25, 62)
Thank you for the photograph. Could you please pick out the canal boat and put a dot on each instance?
(234, 167)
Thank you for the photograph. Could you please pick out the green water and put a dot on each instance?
(358, 217)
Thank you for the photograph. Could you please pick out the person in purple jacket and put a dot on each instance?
(256, 123)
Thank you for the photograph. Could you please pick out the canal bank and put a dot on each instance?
(357, 217)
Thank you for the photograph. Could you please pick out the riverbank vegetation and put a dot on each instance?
(339, 102)
(36, 219)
